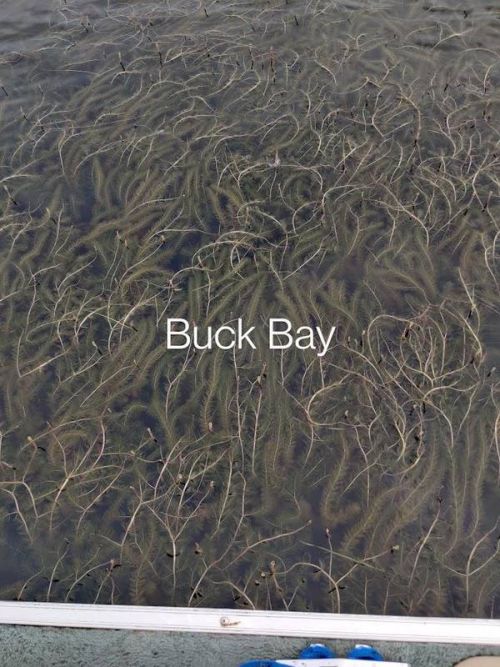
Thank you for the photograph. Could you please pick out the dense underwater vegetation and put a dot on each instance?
(334, 163)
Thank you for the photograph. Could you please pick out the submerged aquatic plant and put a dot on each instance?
(326, 163)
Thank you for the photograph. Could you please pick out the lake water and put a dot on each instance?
(332, 163)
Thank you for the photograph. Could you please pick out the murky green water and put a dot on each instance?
(333, 163)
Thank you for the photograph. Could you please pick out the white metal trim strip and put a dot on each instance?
(250, 622)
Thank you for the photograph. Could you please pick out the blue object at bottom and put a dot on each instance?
(316, 652)
(365, 653)
(320, 651)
